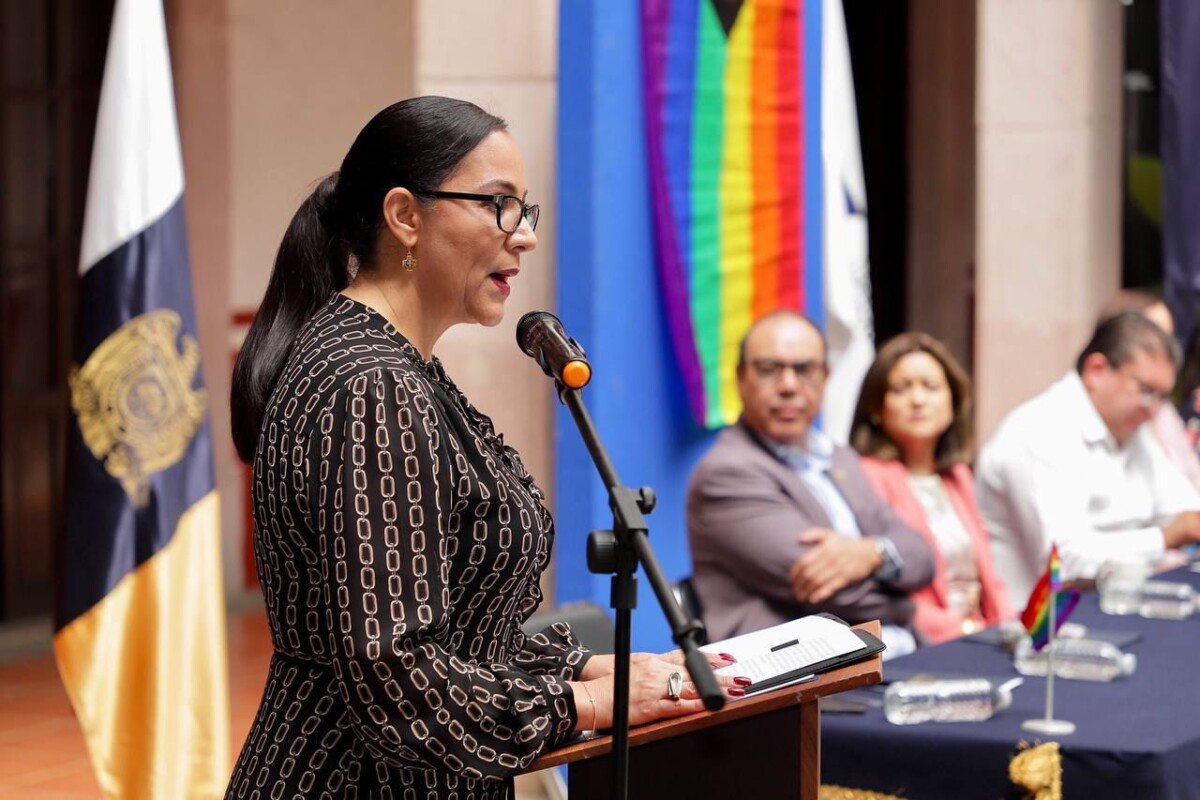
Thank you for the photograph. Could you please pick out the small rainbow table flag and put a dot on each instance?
(1036, 617)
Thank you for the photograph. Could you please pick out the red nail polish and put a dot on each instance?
(727, 657)
(736, 692)
(740, 681)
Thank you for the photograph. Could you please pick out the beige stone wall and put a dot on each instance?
(1048, 105)
(305, 76)
(199, 36)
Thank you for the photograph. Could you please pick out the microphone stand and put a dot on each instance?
(618, 552)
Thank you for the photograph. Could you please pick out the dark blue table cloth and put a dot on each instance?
(1137, 737)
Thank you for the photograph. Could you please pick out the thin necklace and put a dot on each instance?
(395, 317)
(379, 291)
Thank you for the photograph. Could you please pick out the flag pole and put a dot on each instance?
(1050, 654)
(1049, 725)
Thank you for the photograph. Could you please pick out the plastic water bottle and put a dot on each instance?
(968, 700)
(1167, 600)
(1078, 659)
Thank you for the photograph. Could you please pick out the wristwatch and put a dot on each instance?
(881, 550)
(889, 559)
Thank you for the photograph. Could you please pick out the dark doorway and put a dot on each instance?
(878, 37)
(1141, 154)
(51, 62)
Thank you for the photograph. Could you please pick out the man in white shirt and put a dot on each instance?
(1077, 466)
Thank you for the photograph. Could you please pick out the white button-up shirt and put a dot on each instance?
(1054, 473)
(812, 463)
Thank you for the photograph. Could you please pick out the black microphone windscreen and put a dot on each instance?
(526, 339)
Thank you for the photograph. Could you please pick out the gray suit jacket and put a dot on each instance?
(745, 510)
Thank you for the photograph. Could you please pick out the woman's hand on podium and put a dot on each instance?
(600, 665)
(715, 660)
(649, 690)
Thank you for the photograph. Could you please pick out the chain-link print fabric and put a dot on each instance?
(399, 544)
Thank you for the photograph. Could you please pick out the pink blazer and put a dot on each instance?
(934, 621)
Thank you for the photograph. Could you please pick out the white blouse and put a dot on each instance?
(954, 542)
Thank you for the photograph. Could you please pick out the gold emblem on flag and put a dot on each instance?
(134, 399)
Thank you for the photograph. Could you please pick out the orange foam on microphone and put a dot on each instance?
(576, 374)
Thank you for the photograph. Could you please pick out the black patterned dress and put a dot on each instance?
(399, 544)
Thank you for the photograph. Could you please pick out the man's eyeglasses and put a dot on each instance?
(1149, 396)
(510, 209)
(810, 371)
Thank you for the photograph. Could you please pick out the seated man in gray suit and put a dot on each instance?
(782, 522)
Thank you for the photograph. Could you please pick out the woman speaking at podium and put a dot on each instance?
(399, 541)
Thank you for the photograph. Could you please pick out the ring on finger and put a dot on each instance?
(675, 685)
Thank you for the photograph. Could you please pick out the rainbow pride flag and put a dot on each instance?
(738, 103)
(725, 117)
(1036, 617)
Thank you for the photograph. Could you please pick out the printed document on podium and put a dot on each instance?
(791, 651)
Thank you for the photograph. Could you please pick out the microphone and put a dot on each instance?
(540, 336)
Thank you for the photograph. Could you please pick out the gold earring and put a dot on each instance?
(409, 262)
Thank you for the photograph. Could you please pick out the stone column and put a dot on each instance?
(1048, 205)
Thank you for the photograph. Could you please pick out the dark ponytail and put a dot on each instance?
(415, 144)
(309, 267)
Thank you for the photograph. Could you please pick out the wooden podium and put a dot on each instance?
(766, 745)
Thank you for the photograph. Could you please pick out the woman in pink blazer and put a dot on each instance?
(913, 429)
